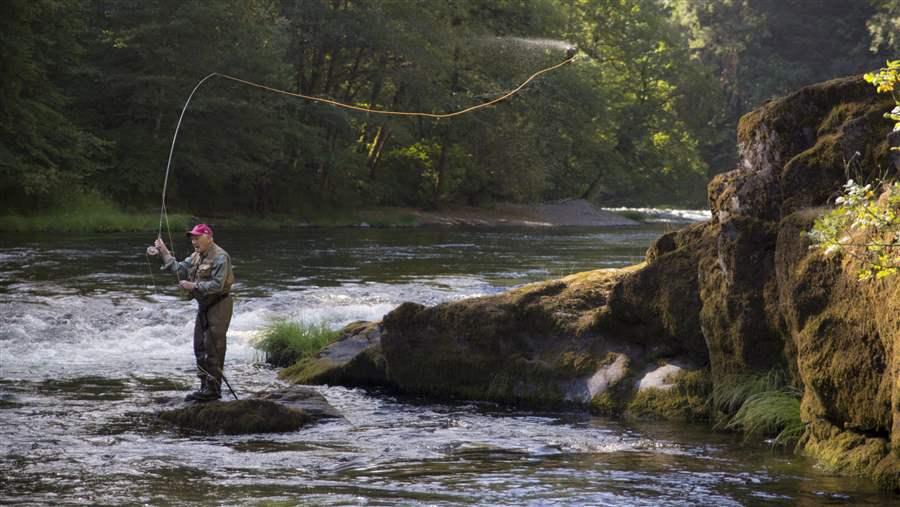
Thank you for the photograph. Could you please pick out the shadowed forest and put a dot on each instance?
(92, 91)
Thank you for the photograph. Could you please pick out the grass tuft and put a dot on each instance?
(730, 394)
(760, 405)
(284, 342)
(771, 413)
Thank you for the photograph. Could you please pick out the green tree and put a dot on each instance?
(44, 151)
(766, 48)
(660, 100)
(884, 25)
(150, 55)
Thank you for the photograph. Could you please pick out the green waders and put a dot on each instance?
(210, 329)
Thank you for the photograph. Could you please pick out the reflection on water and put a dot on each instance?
(92, 344)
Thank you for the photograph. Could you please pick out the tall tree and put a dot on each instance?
(44, 151)
(152, 53)
(884, 25)
(660, 99)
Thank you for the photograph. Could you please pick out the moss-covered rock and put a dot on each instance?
(684, 397)
(793, 149)
(738, 315)
(658, 306)
(532, 345)
(832, 320)
(850, 452)
(354, 359)
(278, 411)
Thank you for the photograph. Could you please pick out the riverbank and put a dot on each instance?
(574, 212)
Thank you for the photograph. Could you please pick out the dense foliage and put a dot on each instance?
(865, 226)
(92, 91)
(865, 223)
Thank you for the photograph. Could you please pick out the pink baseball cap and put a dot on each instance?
(199, 230)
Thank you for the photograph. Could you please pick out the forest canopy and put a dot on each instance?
(92, 91)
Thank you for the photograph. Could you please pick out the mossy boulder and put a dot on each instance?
(738, 315)
(794, 149)
(277, 411)
(850, 452)
(658, 306)
(679, 395)
(354, 359)
(532, 345)
(844, 334)
(766, 294)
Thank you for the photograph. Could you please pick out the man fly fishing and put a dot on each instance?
(207, 276)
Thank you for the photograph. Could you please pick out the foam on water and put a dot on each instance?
(72, 334)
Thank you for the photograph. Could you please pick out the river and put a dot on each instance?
(93, 338)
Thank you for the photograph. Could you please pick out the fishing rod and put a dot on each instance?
(570, 57)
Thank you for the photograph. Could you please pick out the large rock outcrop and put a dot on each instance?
(544, 344)
(740, 294)
(768, 299)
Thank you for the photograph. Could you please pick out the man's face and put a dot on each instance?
(201, 243)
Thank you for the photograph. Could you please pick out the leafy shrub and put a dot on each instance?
(865, 225)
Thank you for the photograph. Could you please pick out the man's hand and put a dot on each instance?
(161, 246)
(186, 285)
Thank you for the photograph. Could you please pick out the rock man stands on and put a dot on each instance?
(207, 276)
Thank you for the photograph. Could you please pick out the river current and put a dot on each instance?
(94, 339)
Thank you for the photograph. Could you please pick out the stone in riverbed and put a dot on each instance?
(283, 410)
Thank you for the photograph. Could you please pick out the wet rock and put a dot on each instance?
(354, 359)
(282, 410)
(662, 377)
(533, 345)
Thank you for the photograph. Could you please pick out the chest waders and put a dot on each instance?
(210, 328)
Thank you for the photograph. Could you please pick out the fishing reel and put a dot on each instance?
(571, 51)
(152, 251)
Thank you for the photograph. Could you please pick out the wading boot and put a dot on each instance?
(196, 395)
(209, 393)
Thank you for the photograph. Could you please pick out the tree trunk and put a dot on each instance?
(441, 172)
(596, 189)
(382, 135)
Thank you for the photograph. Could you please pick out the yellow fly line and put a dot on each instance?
(164, 216)
(397, 113)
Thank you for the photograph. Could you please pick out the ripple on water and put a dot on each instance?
(87, 361)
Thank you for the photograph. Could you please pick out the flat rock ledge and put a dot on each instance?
(283, 410)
